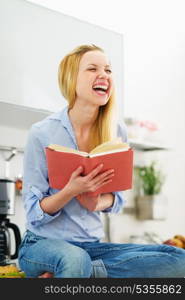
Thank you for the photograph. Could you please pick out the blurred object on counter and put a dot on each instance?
(151, 204)
(11, 271)
(18, 184)
(142, 130)
(7, 207)
(151, 179)
(132, 127)
(146, 238)
(177, 241)
(6, 227)
(7, 162)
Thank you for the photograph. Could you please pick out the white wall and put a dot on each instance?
(155, 90)
(33, 41)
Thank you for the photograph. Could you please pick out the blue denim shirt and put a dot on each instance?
(73, 222)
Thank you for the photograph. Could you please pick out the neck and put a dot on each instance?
(83, 117)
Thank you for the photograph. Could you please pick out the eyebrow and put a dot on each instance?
(97, 65)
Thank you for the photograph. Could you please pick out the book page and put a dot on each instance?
(110, 147)
(60, 148)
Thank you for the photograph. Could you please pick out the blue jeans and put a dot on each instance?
(38, 255)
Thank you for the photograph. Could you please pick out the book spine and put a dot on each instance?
(87, 165)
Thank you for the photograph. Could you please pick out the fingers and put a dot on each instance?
(99, 185)
(92, 181)
(77, 172)
(104, 176)
(46, 275)
(96, 181)
(94, 172)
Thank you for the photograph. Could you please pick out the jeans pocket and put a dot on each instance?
(29, 239)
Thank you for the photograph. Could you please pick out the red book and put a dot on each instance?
(62, 161)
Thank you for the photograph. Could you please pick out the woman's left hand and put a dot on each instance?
(97, 203)
(89, 202)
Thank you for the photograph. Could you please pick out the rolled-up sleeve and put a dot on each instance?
(118, 204)
(35, 179)
(119, 200)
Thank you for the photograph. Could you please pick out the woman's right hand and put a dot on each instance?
(78, 184)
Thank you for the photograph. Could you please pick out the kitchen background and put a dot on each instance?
(151, 102)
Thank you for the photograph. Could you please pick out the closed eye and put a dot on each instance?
(92, 69)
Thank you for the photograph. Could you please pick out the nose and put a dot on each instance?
(103, 74)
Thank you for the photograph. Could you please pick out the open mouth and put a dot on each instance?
(100, 89)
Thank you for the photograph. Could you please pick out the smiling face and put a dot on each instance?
(94, 80)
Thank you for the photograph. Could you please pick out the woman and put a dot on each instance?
(64, 228)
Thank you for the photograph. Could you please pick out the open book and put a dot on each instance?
(62, 161)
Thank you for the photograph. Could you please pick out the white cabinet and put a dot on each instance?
(15, 122)
(33, 41)
(19, 116)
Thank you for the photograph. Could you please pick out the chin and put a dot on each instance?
(101, 102)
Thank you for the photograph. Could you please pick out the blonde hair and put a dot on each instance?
(67, 76)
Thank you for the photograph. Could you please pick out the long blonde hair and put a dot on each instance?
(102, 130)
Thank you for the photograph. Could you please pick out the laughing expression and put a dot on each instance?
(94, 80)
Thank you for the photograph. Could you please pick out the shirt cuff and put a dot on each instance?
(40, 217)
(118, 203)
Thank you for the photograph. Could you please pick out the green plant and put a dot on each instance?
(151, 179)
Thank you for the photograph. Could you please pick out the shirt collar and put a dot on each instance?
(63, 117)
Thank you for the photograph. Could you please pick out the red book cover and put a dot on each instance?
(62, 164)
